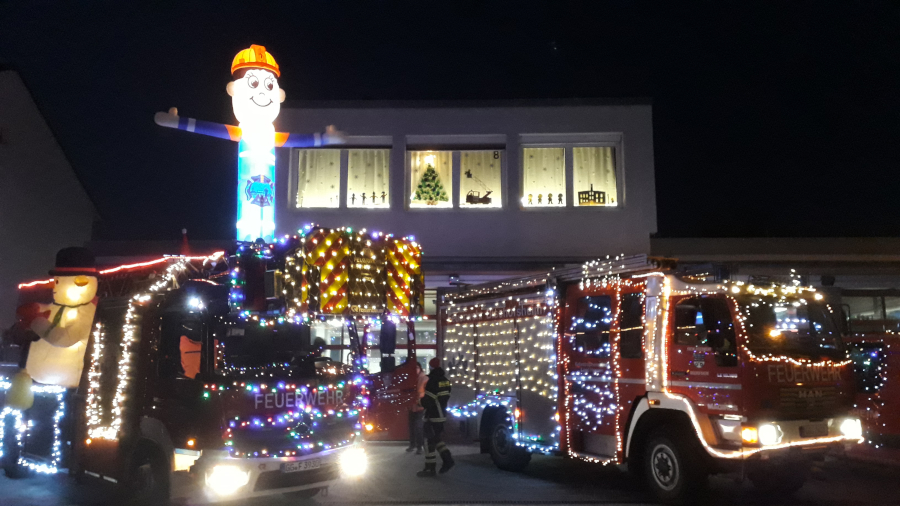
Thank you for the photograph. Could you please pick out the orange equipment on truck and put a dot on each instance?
(624, 361)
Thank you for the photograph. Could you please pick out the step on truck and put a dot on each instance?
(624, 361)
(217, 377)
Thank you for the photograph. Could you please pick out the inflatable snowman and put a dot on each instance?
(59, 331)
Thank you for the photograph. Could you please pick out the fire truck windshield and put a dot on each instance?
(793, 327)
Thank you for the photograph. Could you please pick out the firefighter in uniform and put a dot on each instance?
(437, 393)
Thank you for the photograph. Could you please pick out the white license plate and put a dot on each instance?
(302, 465)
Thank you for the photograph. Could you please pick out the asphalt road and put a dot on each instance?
(547, 480)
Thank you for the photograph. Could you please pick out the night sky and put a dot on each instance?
(777, 119)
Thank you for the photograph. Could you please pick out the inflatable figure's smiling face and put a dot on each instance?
(255, 96)
(74, 290)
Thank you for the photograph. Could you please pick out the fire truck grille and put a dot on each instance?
(276, 479)
(809, 398)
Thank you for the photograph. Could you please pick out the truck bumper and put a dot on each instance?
(225, 478)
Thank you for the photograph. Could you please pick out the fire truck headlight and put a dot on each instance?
(852, 428)
(769, 434)
(354, 462)
(227, 479)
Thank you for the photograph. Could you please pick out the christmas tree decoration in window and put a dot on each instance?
(431, 179)
(318, 177)
(595, 175)
(256, 99)
(480, 180)
(368, 178)
(544, 177)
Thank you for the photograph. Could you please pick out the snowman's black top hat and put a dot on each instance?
(74, 262)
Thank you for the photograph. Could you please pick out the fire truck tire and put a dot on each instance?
(779, 480)
(147, 482)
(671, 467)
(504, 452)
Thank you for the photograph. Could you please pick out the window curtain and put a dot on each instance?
(595, 169)
(367, 175)
(318, 177)
(544, 171)
(485, 167)
(443, 165)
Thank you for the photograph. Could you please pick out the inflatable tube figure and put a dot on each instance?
(256, 99)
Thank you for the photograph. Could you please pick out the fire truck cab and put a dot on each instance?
(624, 361)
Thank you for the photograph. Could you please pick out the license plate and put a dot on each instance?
(302, 465)
(814, 430)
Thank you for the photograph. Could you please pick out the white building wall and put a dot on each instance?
(43, 206)
(489, 234)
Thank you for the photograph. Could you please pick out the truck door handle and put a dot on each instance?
(679, 373)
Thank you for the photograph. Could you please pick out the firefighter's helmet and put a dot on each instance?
(256, 57)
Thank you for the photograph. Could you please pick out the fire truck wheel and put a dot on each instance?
(670, 471)
(148, 477)
(504, 452)
(781, 480)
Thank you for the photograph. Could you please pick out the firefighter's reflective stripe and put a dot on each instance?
(437, 404)
(431, 458)
(441, 447)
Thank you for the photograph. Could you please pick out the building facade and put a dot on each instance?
(43, 206)
(489, 189)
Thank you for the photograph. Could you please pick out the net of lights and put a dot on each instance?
(511, 341)
(299, 424)
(22, 426)
(327, 271)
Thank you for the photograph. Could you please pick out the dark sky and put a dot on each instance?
(770, 119)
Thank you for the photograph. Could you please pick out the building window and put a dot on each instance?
(367, 178)
(595, 176)
(544, 177)
(431, 179)
(318, 178)
(480, 182)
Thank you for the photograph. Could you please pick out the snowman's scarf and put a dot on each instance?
(58, 316)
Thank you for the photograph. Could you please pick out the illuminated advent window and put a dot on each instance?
(431, 179)
(479, 180)
(595, 176)
(318, 177)
(544, 177)
(367, 178)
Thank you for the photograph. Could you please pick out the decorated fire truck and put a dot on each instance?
(873, 327)
(625, 361)
(216, 377)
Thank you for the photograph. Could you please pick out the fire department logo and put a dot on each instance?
(260, 191)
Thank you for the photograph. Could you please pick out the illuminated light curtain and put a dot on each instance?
(497, 355)
(318, 177)
(595, 176)
(442, 161)
(367, 177)
(484, 166)
(544, 177)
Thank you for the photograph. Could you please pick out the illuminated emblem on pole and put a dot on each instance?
(256, 99)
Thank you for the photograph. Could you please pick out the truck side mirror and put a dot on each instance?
(387, 340)
(387, 344)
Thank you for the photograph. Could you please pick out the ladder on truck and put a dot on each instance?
(609, 266)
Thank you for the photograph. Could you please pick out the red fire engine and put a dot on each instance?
(873, 326)
(624, 361)
(241, 372)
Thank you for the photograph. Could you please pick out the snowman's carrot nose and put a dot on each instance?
(81, 280)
